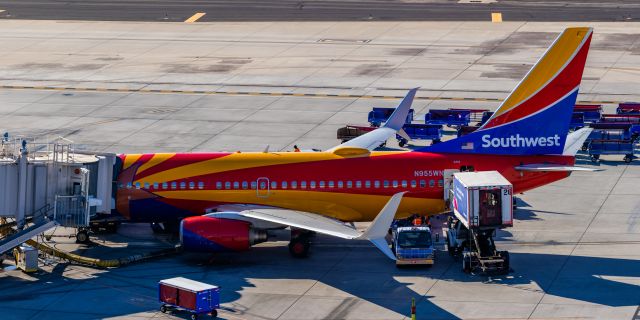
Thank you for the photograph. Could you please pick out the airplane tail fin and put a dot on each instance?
(535, 118)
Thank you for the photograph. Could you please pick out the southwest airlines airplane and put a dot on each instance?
(228, 201)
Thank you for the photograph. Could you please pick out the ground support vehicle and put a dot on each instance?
(448, 117)
(628, 108)
(481, 202)
(351, 131)
(465, 130)
(591, 112)
(413, 245)
(419, 131)
(476, 115)
(577, 121)
(598, 147)
(612, 118)
(379, 115)
(184, 294)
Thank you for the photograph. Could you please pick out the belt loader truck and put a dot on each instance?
(481, 203)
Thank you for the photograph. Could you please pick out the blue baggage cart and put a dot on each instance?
(448, 117)
(577, 120)
(611, 131)
(628, 108)
(475, 115)
(465, 130)
(419, 131)
(184, 294)
(599, 147)
(379, 115)
(592, 112)
(486, 116)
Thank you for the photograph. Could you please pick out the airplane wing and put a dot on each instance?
(575, 140)
(375, 233)
(540, 167)
(375, 138)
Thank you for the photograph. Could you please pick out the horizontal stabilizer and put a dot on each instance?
(549, 167)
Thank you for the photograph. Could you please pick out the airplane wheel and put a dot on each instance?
(299, 247)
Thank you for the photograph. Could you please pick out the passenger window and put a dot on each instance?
(440, 183)
(218, 185)
(303, 184)
(165, 185)
(331, 185)
(340, 184)
(227, 185)
(137, 185)
(263, 185)
(200, 185)
(183, 185)
(376, 184)
(349, 184)
(294, 184)
(395, 183)
(155, 185)
(236, 185)
(358, 184)
(321, 184)
(386, 183)
(254, 185)
(404, 183)
(312, 184)
(367, 184)
(284, 184)
(173, 185)
(274, 185)
(423, 184)
(432, 183)
(192, 185)
(245, 185)
(146, 185)
(413, 184)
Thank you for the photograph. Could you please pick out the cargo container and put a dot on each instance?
(482, 199)
(195, 297)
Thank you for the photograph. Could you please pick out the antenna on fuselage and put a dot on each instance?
(266, 149)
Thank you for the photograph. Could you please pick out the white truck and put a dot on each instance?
(481, 203)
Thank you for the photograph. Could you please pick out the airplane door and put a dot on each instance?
(262, 187)
(448, 184)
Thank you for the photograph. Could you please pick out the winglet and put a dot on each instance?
(575, 140)
(379, 228)
(399, 116)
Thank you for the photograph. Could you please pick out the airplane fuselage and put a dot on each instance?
(165, 187)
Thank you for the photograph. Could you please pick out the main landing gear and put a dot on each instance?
(300, 243)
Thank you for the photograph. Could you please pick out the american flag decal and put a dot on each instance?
(467, 146)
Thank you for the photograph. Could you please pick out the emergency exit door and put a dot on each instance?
(262, 187)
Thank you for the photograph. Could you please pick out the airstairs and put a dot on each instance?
(44, 185)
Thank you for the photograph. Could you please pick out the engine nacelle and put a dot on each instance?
(209, 234)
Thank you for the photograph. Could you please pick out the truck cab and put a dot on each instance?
(413, 245)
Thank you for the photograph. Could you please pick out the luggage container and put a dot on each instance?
(349, 132)
(592, 112)
(448, 117)
(184, 294)
(577, 121)
(26, 258)
(379, 115)
(465, 130)
(628, 108)
(475, 115)
(419, 131)
(599, 147)
(610, 118)
(481, 202)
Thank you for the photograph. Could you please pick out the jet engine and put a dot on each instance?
(210, 234)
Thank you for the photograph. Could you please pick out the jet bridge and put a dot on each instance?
(48, 184)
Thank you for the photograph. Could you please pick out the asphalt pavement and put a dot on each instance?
(320, 10)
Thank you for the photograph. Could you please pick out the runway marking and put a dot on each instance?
(273, 94)
(195, 17)
(496, 17)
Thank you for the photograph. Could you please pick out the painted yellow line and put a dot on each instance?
(1, 11)
(496, 17)
(195, 17)
(277, 94)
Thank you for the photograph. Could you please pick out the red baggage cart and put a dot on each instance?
(193, 296)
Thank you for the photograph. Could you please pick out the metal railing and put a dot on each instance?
(71, 211)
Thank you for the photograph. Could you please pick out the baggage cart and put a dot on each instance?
(475, 115)
(611, 118)
(612, 131)
(592, 112)
(465, 130)
(628, 108)
(598, 147)
(184, 294)
(349, 132)
(26, 258)
(448, 117)
(377, 116)
(419, 131)
(577, 120)
(485, 117)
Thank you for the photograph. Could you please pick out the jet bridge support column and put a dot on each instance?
(22, 186)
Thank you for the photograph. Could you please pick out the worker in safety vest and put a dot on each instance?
(295, 148)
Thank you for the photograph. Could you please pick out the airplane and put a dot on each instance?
(227, 201)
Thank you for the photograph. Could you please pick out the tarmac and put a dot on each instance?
(575, 244)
